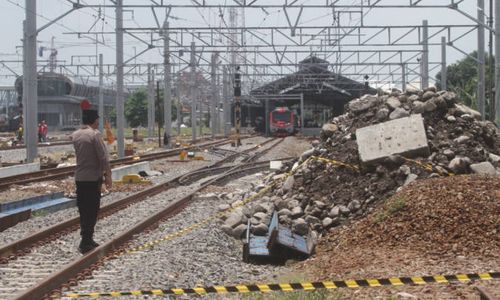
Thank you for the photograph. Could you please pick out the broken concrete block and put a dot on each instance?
(483, 168)
(404, 136)
(275, 164)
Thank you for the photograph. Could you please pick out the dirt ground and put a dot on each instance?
(432, 227)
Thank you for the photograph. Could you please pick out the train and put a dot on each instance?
(282, 122)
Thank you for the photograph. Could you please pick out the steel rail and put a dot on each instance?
(57, 173)
(235, 155)
(484, 294)
(22, 146)
(215, 169)
(23, 246)
(83, 266)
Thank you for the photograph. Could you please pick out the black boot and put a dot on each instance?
(93, 243)
(87, 245)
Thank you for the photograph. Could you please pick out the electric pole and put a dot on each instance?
(237, 104)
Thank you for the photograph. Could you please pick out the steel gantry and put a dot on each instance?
(389, 54)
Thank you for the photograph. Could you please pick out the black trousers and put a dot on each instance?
(88, 200)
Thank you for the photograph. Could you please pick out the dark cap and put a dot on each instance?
(89, 116)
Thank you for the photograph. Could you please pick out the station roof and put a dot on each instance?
(314, 80)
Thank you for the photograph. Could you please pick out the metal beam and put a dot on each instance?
(481, 81)
(120, 107)
(497, 63)
(167, 96)
(30, 89)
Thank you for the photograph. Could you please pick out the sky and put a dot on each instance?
(83, 50)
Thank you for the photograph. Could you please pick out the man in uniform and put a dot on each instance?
(92, 164)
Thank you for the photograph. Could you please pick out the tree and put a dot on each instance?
(136, 109)
(462, 78)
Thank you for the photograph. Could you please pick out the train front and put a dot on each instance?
(281, 122)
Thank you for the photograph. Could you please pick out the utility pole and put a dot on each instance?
(237, 104)
(497, 63)
(24, 101)
(120, 108)
(217, 103)
(192, 92)
(158, 103)
(30, 89)
(444, 74)
(167, 93)
(403, 77)
(480, 58)
(200, 95)
(227, 108)
(53, 56)
(425, 55)
(151, 102)
(101, 94)
(213, 118)
(492, 67)
(179, 112)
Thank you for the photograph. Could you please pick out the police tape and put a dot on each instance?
(429, 167)
(336, 162)
(307, 286)
(204, 222)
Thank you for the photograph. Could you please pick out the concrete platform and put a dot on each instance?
(14, 212)
(19, 169)
(404, 136)
(49, 203)
(118, 173)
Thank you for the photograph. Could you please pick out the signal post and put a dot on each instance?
(237, 106)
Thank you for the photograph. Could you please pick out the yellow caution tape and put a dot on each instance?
(208, 220)
(308, 286)
(336, 162)
(214, 217)
(429, 167)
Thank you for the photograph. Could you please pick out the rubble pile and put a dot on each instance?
(321, 195)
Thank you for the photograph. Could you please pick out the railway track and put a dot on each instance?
(61, 143)
(66, 142)
(35, 252)
(58, 173)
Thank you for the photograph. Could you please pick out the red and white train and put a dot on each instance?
(281, 121)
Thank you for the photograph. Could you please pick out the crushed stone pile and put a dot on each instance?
(323, 194)
(437, 216)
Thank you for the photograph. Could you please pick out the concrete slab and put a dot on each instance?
(14, 212)
(12, 205)
(19, 169)
(118, 173)
(47, 203)
(405, 136)
(275, 164)
(9, 220)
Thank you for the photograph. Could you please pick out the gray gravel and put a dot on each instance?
(170, 169)
(203, 257)
(206, 256)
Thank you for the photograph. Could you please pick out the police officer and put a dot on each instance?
(92, 165)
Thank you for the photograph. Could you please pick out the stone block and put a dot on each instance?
(118, 173)
(19, 169)
(404, 136)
